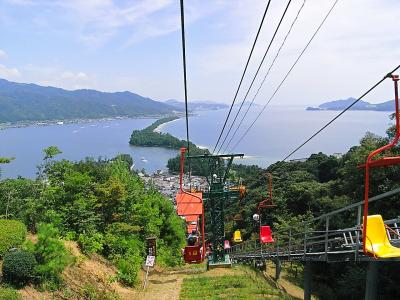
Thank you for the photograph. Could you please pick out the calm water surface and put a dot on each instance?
(281, 129)
(277, 132)
(77, 141)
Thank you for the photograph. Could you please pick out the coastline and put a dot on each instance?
(22, 124)
(161, 126)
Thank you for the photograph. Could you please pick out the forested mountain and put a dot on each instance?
(31, 102)
(360, 105)
(197, 105)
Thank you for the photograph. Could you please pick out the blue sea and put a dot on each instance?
(278, 131)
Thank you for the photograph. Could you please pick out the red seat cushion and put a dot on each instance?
(266, 235)
(192, 254)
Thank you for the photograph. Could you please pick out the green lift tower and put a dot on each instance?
(215, 199)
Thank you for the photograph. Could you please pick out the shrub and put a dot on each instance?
(91, 292)
(19, 267)
(12, 234)
(167, 257)
(51, 255)
(91, 242)
(128, 268)
(9, 294)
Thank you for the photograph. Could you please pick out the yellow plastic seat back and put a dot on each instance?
(237, 236)
(377, 242)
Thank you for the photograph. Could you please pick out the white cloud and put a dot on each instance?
(98, 21)
(354, 48)
(3, 54)
(57, 76)
(9, 73)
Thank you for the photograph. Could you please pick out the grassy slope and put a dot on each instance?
(236, 283)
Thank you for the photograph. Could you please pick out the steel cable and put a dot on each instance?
(243, 74)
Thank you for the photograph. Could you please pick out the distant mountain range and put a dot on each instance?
(31, 102)
(360, 105)
(196, 105)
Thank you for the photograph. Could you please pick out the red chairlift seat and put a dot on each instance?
(266, 235)
(192, 254)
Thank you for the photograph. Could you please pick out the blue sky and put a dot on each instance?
(135, 45)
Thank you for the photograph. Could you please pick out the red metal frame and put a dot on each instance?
(382, 162)
(181, 190)
(267, 203)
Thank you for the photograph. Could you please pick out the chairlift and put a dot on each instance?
(227, 244)
(237, 236)
(265, 230)
(375, 239)
(190, 205)
(241, 189)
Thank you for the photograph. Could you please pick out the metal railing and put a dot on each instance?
(318, 239)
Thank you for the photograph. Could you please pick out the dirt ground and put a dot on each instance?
(96, 273)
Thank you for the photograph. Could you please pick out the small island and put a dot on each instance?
(360, 105)
(151, 137)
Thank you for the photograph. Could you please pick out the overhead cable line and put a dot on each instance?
(287, 74)
(341, 113)
(255, 76)
(184, 78)
(244, 72)
(265, 77)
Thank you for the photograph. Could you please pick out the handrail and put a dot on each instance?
(372, 199)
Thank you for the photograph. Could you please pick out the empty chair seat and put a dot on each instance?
(266, 235)
(377, 242)
(237, 236)
(227, 245)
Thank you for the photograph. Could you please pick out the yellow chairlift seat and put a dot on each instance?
(377, 242)
(237, 236)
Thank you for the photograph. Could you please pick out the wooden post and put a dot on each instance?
(146, 278)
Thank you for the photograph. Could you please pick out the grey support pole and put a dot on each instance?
(307, 280)
(372, 281)
(278, 268)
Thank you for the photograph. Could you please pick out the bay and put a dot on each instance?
(277, 132)
(94, 139)
(280, 129)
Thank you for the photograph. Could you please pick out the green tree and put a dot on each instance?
(50, 152)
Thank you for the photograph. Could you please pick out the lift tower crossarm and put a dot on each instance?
(223, 156)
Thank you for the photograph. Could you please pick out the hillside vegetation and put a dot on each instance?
(31, 102)
(321, 184)
(99, 204)
(149, 137)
